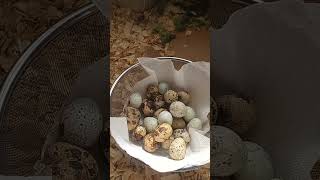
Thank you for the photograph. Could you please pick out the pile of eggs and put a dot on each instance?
(161, 119)
(234, 158)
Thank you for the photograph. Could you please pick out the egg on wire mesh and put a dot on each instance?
(229, 151)
(258, 165)
(235, 113)
(83, 122)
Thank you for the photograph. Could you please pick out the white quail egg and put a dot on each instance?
(228, 150)
(178, 123)
(195, 123)
(189, 114)
(150, 145)
(133, 117)
(150, 123)
(178, 109)
(163, 132)
(139, 133)
(82, 122)
(163, 87)
(258, 165)
(135, 100)
(166, 144)
(177, 149)
(165, 117)
(170, 96)
(183, 133)
(184, 97)
(156, 114)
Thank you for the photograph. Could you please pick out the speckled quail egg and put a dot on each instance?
(170, 96)
(195, 123)
(139, 133)
(148, 107)
(149, 143)
(184, 97)
(152, 91)
(159, 101)
(163, 132)
(183, 133)
(150, 123)
(189, 114)
(135, 100)
(258, 165)
(178, 109)
(235, 113)
(133, 117)
(165, 117)
(178, 123)
(166, 144)
(177, 149)
(82, 122)
(163, 87)
(229, 151)
(156, 114)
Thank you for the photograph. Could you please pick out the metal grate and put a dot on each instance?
(39, 83)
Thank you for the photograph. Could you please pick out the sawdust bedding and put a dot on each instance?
(131, 36)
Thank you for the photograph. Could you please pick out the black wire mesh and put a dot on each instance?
(40, 90)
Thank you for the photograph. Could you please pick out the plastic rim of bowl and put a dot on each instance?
(137, 64)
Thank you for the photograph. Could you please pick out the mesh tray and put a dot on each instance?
(41, 80)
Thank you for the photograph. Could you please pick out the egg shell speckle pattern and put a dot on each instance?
(139, 133)
(178, 109)
(177, 149)
(148, 107)
(152, 91)
(82, 122)
(150, 145)
(163, 132)
(133, 117)
(183, 133)
(229, 151)
(166, 144)
(170, 96)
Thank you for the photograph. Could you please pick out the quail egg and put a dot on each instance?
(152, 91)
(184, 97)
(235, 113)
(156, 114)
(150, 123)
(183, 133)
(159, 101)
(139, 133)
(150, 145)
(148, 107)
(178, 123)
(165, 117)
(177, 149)
(133, 117)
(163, 87)
(195, 123)
(170, 96)
(166, 144)
(178, 109)
(229, 151)
(189, 114)
(135, 100)
(258, 165)
(163, 132)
